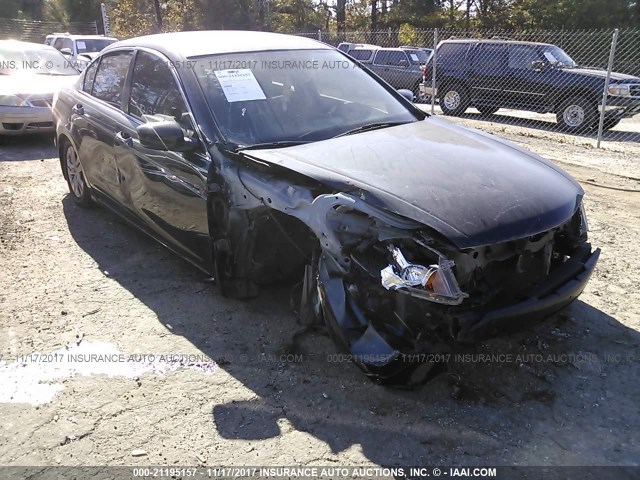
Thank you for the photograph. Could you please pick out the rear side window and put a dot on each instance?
(382, 57)
(110, 78)
(58, 44)
(454, 54)
(154, 91)
(489, 57)
(89, 75)
(361, 54)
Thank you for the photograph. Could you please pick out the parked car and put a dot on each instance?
(539, 77)
(30, 74)
(79, 49)
(401, 67)
(411, 234)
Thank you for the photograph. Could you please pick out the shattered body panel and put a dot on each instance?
(464, 241)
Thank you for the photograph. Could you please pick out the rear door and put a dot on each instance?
(167, 190)
(95, 118)
(487, 76)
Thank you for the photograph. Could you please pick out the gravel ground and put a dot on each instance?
(229, 385)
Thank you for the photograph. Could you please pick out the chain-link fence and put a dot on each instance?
(36, 31)
(580, 82)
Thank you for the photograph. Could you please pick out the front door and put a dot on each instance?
(167, 190)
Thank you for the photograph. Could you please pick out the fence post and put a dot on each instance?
(434, 59)
(105, 20)
(612, 54)
(319, 35)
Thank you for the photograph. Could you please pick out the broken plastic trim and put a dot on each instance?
(435, 283)
(584, 225)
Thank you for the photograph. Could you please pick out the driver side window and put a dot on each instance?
(154, 92)
(521, 56)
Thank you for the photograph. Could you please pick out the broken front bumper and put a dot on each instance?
(374, 353)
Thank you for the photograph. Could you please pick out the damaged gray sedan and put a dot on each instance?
(258, 156)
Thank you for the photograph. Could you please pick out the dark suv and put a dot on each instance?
(539, 77)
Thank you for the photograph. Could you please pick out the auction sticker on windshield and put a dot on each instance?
(239, 85)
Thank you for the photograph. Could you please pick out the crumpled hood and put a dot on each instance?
(32, 85)
(593, 72)
(470, 186)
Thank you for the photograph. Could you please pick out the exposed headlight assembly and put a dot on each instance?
(12, 101)
(620, 89)
(435, 283)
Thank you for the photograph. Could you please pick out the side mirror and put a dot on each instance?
(538, 65)
(66, 51)
(165, 135)
(408, 94)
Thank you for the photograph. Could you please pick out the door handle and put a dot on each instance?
(78, 109)
(124, 137)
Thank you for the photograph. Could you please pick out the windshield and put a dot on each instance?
(40, 62)
(289, 96)
(89, 45)
(418, 57)
(557, 57)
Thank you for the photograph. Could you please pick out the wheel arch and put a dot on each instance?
(567, 93)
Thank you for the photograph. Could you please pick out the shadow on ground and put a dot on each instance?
(576, 404)
(27, 147)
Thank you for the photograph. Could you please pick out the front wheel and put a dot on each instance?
(75, 175)
(454, 99)
(576, 115)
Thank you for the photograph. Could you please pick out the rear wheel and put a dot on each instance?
(487, 110)
(75, 175)
(576, 114)
(454, 99)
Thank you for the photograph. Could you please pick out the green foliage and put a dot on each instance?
(408, 35)
(138, 17)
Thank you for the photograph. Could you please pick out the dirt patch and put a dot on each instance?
(563, 393)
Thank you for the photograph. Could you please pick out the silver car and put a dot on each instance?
(30, 74)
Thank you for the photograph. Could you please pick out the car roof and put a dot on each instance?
(79, 37)
(200, 43)
(365, 47)
(493, 40)
(23, 46)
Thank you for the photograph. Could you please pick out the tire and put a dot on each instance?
(72, 169)
(576, 114)
(454, 99)
(487, 110)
